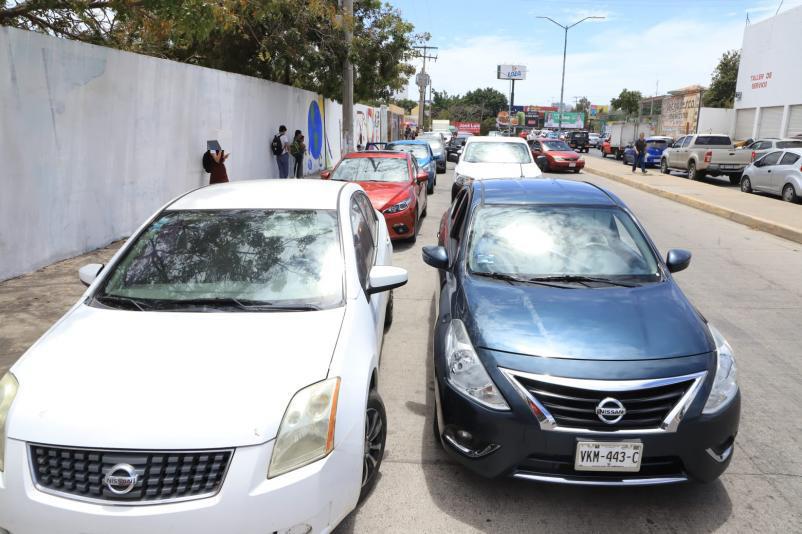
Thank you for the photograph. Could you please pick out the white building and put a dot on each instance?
(768, 97)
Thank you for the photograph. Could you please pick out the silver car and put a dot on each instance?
(761, 147)
(779, 172)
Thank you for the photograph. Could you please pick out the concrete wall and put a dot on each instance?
(94, 140)
(716, 120)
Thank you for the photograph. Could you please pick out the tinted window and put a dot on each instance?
(419, 151)
(678, 142)
(789, 158)
(556, 240)
(372, 170)
(363, 242)
(277, 256)
(713, 140)
(770, 159)
(686, 142)
(789, 144)
(370, 217)
(479, 152)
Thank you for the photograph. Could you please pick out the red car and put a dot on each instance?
(395, 185)
(559, 156)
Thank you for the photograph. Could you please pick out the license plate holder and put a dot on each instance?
(572, 164)
(611, 456)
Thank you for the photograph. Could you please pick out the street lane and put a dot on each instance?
(744, 281)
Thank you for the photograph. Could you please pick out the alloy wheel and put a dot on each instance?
(746, 185)
(373, 445)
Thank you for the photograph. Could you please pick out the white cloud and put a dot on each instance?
(675, 52)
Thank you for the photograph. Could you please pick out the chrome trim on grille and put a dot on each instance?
(547, 421)
(104, 502)
(642, 481)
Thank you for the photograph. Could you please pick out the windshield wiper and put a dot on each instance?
(584, 280)
(138, 304)
(241, 304)
(512, 279)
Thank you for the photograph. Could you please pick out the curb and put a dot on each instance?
(780, 230)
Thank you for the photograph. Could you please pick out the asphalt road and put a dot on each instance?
(746, 282)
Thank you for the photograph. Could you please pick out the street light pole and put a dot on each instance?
(565, 51)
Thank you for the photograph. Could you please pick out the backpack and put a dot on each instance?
(277, 146)
(207, 161)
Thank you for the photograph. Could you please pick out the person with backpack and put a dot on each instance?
(214, 162)
(280, 147)
(298, 150)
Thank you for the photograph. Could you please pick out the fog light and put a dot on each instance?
(463, 441)
(464, 437)
(400, 228)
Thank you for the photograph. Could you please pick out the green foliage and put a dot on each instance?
(300, 43)
(406, 103)
(487, 125)
(721, 93)
(476, 106)
(489, 100)
(627, 101)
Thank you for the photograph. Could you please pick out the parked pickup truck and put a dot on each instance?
(703, 154)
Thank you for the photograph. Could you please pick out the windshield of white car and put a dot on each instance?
(419, 151)
(557, 145)
(479, 152)
(393, 169)
(237, 260)
(544, 242)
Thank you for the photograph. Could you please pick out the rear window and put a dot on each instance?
(789, 144)
(659, 143)
(419, 151)
(789, 158)
(713, 140)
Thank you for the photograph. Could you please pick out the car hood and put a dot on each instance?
(383, 193)
(479, 171)
(168, 380)
(607, 323)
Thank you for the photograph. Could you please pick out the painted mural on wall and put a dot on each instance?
(315, 136)
(679, 112)
(367, 125)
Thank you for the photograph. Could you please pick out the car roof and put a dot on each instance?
(408, 142)
(658, 137)
(495, 139)
(541, 191)
(263, 194)
(377, 154)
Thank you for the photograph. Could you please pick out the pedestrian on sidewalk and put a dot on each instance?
(640, 154)
(408, 132)
(298, 150)
(281, 149)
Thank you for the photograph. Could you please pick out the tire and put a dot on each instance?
(693, 174)
(425, 210)
(412, 239)
(664, 166)
(735, 179)
(375, 438)
(576, 171)
(746, 184)
(789, 194)
(388, 312)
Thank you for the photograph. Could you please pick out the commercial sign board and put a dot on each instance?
(511, 72)
(472, 127)
(569, 119)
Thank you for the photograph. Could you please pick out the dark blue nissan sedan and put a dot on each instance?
(565, 352)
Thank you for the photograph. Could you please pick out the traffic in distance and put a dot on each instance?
(564, 352)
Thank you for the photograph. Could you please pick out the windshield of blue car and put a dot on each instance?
(545, 241)
(244, 257)
(490, 152)
(419, 151)
(384, 169)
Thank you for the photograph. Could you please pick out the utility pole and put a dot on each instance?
(348, 79)
(423, 80)
(565, 50)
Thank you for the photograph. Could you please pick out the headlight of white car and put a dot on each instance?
(465, 371)
(306, 433)
(8, 390)
(725, 385)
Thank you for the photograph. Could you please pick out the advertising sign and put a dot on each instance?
(511, 72)
(472, 127)
(570, 120)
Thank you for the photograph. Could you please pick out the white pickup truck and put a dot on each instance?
(703, 154)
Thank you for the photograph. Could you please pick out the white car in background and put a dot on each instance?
(779, 172)
(485, 157)
(218, 375)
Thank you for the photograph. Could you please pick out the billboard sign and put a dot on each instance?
(511, 72)
(472, 127)
(569, 120)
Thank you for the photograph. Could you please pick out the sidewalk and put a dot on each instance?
(761, 212)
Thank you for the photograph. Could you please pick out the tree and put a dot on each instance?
(300, 44)
(582, 105)
(442, 102)
(627, 101)
(488, 100)
(406, 103)
(721, 93)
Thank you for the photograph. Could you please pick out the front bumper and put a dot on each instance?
(401, 225)
(319, 495)
(566, 165)
(525, 451)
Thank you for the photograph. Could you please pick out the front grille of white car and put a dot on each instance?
(161, 476)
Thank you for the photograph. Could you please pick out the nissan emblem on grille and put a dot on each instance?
(120, 479)
(610, 410)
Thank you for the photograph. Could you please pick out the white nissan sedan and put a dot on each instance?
(485, 157)
(218, 375)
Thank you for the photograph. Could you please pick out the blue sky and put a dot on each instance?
(641, 45)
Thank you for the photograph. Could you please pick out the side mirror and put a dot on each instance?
(89, 272)
(325, 175)
(435, 256)
(678, 259)
(422, 176)
(542, 162)
(385, 278)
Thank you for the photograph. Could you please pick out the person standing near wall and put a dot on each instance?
(297, 151)
(640, 154)
(215, 163)
(281, 149)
